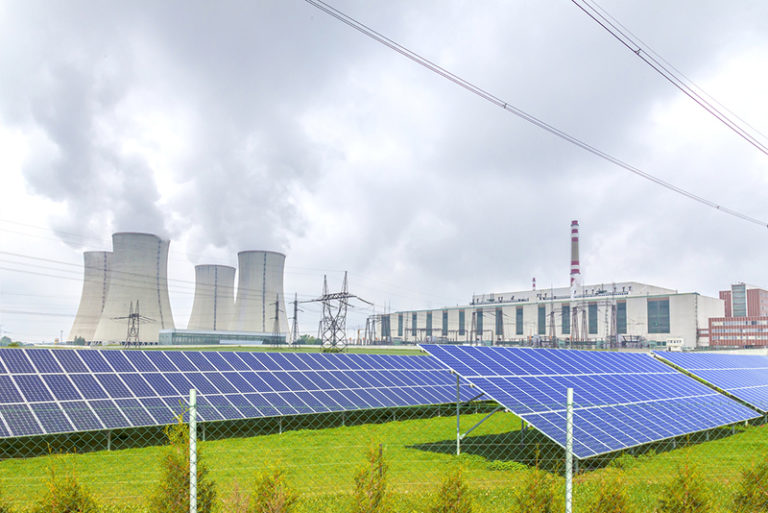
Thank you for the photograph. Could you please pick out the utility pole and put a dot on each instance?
(295, 329)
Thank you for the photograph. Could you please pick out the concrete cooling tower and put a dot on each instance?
(214, 302)
(260, 304)
(96, 268)
(138, 277)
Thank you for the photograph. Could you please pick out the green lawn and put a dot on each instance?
(321, 464)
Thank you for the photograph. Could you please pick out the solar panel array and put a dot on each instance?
(743, 376)
(621, 400)
(44, 391)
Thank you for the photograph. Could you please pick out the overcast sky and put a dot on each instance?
(229, 126)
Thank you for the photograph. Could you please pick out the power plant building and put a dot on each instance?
(619, 315)
(137, 294)
(96, 272)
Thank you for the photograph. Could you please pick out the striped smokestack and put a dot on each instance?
(575, 271)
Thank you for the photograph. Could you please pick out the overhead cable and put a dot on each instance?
(482, 93)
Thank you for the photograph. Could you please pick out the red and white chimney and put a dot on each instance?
(575, 271)
(533, 283)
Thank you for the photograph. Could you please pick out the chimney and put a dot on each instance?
(575, 271)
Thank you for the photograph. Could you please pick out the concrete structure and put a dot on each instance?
(620, 314)
(260, 303)
(745, 323)
(138, 276)
(214, 303)
(96, 268)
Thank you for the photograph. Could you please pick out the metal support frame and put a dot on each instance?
(568, 450)
(459, 436)
(109, 440)
(193, 451)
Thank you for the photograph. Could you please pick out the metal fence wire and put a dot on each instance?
(471, 454)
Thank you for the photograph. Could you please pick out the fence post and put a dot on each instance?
(568, 450)
(458, 413)
(193, 451)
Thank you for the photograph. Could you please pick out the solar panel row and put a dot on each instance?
(46, 391)
(620, 399)
(743, 376)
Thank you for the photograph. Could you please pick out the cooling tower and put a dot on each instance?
(138, 276)
(214, 301)
(96, 267)
(260, 306)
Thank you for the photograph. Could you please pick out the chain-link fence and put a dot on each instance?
(408, 457)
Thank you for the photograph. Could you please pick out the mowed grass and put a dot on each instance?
(321, 464)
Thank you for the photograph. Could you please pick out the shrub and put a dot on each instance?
(272, 494)
(453, 495)
(371, 483)
(64, 494)
(611, 496)
(537, 493)
(685, 493)
(752, 492)
(172, 493)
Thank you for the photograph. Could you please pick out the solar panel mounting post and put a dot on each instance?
(568, 450)
(193, 451)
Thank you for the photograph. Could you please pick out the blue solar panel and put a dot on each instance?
(620, 399)
(743, 376)
(55, 391)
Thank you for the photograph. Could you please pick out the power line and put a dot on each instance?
(482, 93)
(669, 72)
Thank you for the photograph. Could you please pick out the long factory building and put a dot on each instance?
(628, 314)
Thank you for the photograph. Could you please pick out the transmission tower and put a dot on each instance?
(135, 319)
(293, 336)
(332, 329)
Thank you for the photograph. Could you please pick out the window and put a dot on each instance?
(621, 317)
(413, 323)
(542, 320)
(462, 322)
(445, 323)
(519, 320)
(658, 315)
(479, 319)
(566, 315)
(399, 325)
(592, 314)
(429, 324)
(499, 323)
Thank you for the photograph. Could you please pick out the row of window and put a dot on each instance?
(658, 320)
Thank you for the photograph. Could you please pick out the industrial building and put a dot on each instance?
(745, 323)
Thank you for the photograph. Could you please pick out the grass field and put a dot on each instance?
(321, 464)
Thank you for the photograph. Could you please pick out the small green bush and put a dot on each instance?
(453, 495)
(371, 483)
(272, 494)
(537, 493)
(611, 495)
(685, 493)
(64, 494)
(172, 493)
(752, 490)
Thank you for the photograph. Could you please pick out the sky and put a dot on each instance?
(242, 125)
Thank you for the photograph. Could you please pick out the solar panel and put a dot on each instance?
(743, 376)
(621, 400)
(63, 390)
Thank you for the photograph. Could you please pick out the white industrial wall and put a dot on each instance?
(96, 267)
(139, 274)
(687, 313)
(214, 303)
(259, 289)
